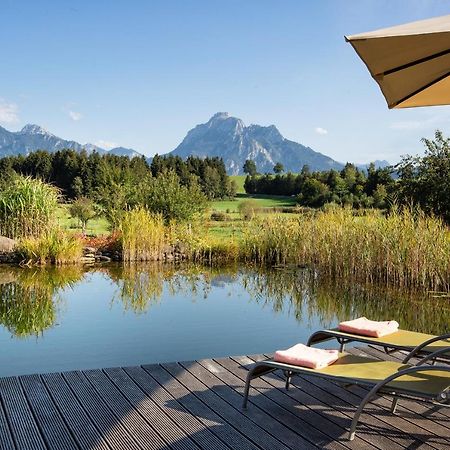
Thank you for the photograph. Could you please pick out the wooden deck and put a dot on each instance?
(197, 405)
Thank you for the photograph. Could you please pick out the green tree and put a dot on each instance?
(314, 193)
(83, 209)
(426, 180)
(278, 168)
(250, 167)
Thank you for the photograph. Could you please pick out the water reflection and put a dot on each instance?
(30, 299)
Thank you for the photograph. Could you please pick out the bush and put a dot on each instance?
(248, 209)
(219, 216)
(27, 208)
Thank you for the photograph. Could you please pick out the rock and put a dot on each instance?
(103, 258)
(86, 260)
(7, 245)
(89, 255)
(89, 250)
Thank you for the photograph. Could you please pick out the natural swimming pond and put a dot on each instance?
(69, 318)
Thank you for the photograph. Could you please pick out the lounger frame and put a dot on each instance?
(442, 398)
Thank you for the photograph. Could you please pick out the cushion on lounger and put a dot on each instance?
(301, 355)
(367, 327)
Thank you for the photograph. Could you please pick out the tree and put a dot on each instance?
(314, 193)
(83, 209)
(250, 167)
(426, 180)
(278, 168)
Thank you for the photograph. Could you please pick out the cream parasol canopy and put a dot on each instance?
(410, 63)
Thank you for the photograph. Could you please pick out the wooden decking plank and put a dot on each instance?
(144, 404)
(273, 402)
(138, 427)
(259, 416)
(24, 429)
(238, 420)
(312, 411)
(6, 441)
(109, 426)
(52, 425)
(344, 400)
(204, 414)
(84, 431)
(190, 425)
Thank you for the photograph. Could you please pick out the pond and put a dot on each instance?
(70, 318)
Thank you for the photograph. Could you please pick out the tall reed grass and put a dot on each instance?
(27, 208)
(55, 247)
(405, 248)
(143, 235)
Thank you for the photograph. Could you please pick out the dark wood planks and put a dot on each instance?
(197, 405)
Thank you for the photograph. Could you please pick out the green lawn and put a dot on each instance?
(263, 201)
(239, 180)
(96, 226)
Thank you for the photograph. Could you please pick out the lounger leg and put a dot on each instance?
(255, 372)
(247, 388)
(288, 375)
(394, 405)
(342, 346)
(358, 412)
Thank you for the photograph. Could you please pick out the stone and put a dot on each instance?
(7, 245)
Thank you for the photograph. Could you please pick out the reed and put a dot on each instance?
(27, 207)
(55, 247)
(143, 235)
(405, 248)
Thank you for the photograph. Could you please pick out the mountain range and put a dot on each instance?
(223, 135)
(33, 137)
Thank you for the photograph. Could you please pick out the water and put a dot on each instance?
(66, 319)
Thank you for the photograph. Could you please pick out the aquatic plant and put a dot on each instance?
(55, 246)
(405, 248)
(27, 207)
(143, 235)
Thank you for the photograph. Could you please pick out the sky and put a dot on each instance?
(140, 74)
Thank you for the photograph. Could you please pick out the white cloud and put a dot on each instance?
(8, 112)
(108, 145)
(75, 115)
(321, 131)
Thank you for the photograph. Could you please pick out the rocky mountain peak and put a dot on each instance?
(32, 128)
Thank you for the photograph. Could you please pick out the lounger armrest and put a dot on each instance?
(433, 355)
(424, 344)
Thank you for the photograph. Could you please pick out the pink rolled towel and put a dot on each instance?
(301, 355)
(367, 327)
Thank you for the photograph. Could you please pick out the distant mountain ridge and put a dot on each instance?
(229, 138)
(223, 136)
(33, 137)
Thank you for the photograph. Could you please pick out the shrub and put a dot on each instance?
(27, 208)
(219, 216)
(248, 209)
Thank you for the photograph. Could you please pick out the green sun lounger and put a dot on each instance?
(419, 344)
(422, 382)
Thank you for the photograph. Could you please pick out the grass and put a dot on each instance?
(263, 201)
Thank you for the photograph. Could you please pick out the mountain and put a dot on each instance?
(33, 137)
(229, 138)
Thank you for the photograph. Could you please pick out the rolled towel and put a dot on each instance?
(301, 355)
(366, 327)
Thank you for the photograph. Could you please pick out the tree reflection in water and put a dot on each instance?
(29, 297)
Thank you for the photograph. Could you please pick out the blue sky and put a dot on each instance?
(142, 73)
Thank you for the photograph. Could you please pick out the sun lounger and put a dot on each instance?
(419, 344)
(421, 382)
